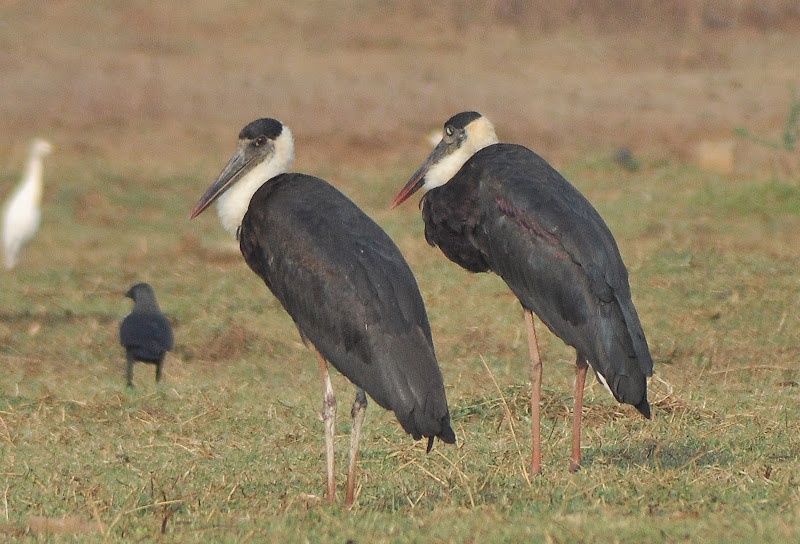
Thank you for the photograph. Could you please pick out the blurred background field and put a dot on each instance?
(143, 101)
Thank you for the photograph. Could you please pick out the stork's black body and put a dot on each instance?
(507, 210)
(145, 333)
(350, 293)
(501, 207)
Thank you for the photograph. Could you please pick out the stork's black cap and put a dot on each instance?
(461, 120)
(270, 128)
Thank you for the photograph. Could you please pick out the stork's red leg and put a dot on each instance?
(328, 420)
(358, 412)
(580, 380)
(536, 395)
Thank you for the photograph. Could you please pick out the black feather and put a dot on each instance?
(350, 293)
(507, 210)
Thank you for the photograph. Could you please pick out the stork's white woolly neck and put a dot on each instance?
(480, 134)
(233, 203)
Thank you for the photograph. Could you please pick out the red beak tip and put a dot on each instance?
(195, 212)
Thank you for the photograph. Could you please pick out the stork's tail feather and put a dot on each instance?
(419, 424)
(447, 435)
(644, 407)
(629, 389)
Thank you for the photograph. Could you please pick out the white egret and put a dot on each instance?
(22, 210)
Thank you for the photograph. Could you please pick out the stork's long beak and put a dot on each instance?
(418, 179)
(236, 167)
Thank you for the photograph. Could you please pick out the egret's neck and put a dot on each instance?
(33, 178)
(233, 203)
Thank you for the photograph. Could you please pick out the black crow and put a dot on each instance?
(146, 334)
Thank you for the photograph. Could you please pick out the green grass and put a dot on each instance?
(229, 447)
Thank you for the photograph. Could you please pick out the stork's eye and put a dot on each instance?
(448, 130)
(261, 140)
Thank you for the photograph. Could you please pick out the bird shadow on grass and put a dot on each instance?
(685, 451)
(662, 454)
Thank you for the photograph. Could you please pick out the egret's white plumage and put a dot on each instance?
(21, 212)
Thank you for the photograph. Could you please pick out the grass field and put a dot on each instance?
(144, 109)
